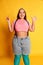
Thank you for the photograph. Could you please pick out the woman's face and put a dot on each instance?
(22, 14)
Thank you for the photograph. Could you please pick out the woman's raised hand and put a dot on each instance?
(34, 18)
(8, 20)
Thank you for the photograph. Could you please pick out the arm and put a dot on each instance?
(11, 26)
(32, 26)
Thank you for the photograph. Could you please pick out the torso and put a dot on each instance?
(21, 28)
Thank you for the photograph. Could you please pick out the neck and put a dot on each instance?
(22, 19)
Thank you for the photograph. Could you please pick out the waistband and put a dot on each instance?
(21, 38)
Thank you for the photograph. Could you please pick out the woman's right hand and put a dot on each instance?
(8, 20)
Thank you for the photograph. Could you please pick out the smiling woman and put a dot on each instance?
(21, 41)
(32, 7)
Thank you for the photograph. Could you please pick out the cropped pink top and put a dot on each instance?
(21, 25)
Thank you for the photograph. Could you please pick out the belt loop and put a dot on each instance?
(25, 37)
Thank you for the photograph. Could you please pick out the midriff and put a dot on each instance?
(22, 34)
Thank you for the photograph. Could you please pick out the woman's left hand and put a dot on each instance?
(34, 18)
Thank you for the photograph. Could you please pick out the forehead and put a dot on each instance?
(22, 10)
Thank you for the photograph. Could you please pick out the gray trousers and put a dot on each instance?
(21, 45)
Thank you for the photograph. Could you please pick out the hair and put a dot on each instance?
(19, 12)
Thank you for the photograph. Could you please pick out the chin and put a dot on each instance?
(22, 18)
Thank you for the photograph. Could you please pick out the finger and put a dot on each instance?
(7, 18)
(35, 17)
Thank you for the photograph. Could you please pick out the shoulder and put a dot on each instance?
(28, 21)
(16, 20)
(13, 21)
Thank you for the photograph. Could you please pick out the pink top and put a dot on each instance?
(21, 25)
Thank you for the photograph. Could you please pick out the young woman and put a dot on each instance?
(21, 40)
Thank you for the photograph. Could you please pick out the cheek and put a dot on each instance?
(24, 14)
(19, 15)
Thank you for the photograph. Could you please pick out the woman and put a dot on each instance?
(21, 40)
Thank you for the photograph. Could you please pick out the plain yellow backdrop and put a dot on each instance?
(10, 8)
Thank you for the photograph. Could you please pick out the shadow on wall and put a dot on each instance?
(6, 40)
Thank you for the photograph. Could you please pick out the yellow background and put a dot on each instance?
(10, 8)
